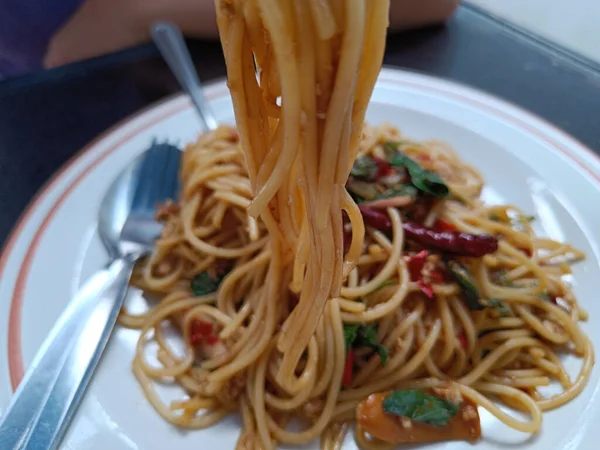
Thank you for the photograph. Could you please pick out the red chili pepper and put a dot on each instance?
(459, 243)
(427, 289)
(442, 225)
(383, 167)
(348, 370)
(375, 218)
(437, 276)
(423, 158)
(416, 263)
(212, 340)
(462, 340)
(201, 330)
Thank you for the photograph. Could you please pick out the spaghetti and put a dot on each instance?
(507, 352)
(322, 271)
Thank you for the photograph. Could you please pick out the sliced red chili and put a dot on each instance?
(212, 340)
(442, 225)
(200, 330)
(415, 264)
(462, 340)
(423, 158)
(427, 289)
(437, 276)
(383, 167)
(348, 370)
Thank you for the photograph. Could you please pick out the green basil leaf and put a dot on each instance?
(204, 284)
(364, 336)
(498, 305)
(466, 282)
(383, 353)
(423, 179)
(420, 407)
(365, 169)
(368, 335)
(350, 334)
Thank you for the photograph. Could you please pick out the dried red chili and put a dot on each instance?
(442, 225)
(464, 244)
(458, 243)
(376, 219)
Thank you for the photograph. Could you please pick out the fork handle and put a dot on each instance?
(47, 398)
(171, 45)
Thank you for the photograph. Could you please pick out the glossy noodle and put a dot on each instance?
(311, 262)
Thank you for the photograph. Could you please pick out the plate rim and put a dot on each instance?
(531, 123)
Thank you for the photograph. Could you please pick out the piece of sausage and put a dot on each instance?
(402, 430)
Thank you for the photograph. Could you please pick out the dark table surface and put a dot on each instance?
(46, 117)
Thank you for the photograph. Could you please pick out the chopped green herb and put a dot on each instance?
(501, 278)
(364, 168)
(544, 296)
(528, 218)
(420, 407)
(400, 190)
(421, 178)
(364, 336)
(367, 337)
(350, 333)
(204, 284)
(498, 305)
(466, 282)
(495, 217)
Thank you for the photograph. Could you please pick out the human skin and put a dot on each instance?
(104, 26)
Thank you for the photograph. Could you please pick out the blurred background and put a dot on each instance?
(570, 23)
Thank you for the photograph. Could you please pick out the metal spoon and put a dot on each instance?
(171, 45)
(47, 398)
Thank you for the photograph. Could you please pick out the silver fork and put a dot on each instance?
(47, 398)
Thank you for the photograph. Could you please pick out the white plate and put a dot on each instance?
(55, 247)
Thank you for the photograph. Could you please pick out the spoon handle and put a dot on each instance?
(171, 45)
(47, 398)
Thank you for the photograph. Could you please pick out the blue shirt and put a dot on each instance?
(26, 27)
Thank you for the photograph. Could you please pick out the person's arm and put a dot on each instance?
(408, 14)
(103, 26)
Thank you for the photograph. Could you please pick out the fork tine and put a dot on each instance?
(158, 177)
(149, 184)
(171, 180)
(143, 173)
